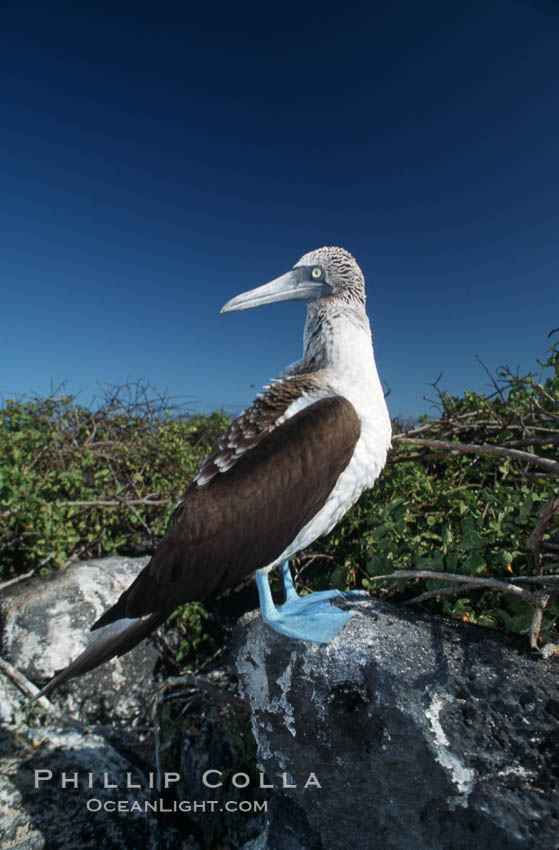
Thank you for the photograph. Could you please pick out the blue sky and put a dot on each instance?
(157, 159)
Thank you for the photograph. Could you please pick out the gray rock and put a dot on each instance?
(45, 623)
(422, 732)
(12, 701)
(38, 813)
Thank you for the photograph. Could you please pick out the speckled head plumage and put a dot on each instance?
(341, 271)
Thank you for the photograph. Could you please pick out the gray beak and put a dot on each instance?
(296, 285)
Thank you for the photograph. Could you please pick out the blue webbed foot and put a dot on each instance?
(311, 617)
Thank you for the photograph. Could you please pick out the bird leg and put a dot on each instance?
(310, 617)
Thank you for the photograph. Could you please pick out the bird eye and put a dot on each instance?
(316, 273)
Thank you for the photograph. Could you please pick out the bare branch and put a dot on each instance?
(23, 683)
(541, 579)
(478, 581)
(496, 386)
(442, 591)
(114, 503)
(534, 541)
(5, 584)
(540, 603)
(485, 448)
(553, 439)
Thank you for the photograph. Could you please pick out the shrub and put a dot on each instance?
(78, 483)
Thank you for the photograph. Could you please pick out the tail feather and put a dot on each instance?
(116, 639)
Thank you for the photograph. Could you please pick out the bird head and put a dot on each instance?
(322, 274)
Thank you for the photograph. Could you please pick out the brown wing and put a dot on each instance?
(252, 425)
(243, 518)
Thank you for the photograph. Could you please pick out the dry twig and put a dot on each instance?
(484, 449)
(23, 683)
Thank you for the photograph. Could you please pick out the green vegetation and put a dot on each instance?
(77, 483)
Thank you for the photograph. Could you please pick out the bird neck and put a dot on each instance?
(337, 338)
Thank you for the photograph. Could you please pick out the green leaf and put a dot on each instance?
(474, 564)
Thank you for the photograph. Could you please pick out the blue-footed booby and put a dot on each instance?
(282, 475)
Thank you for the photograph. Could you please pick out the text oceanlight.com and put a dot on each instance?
(134, 806)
